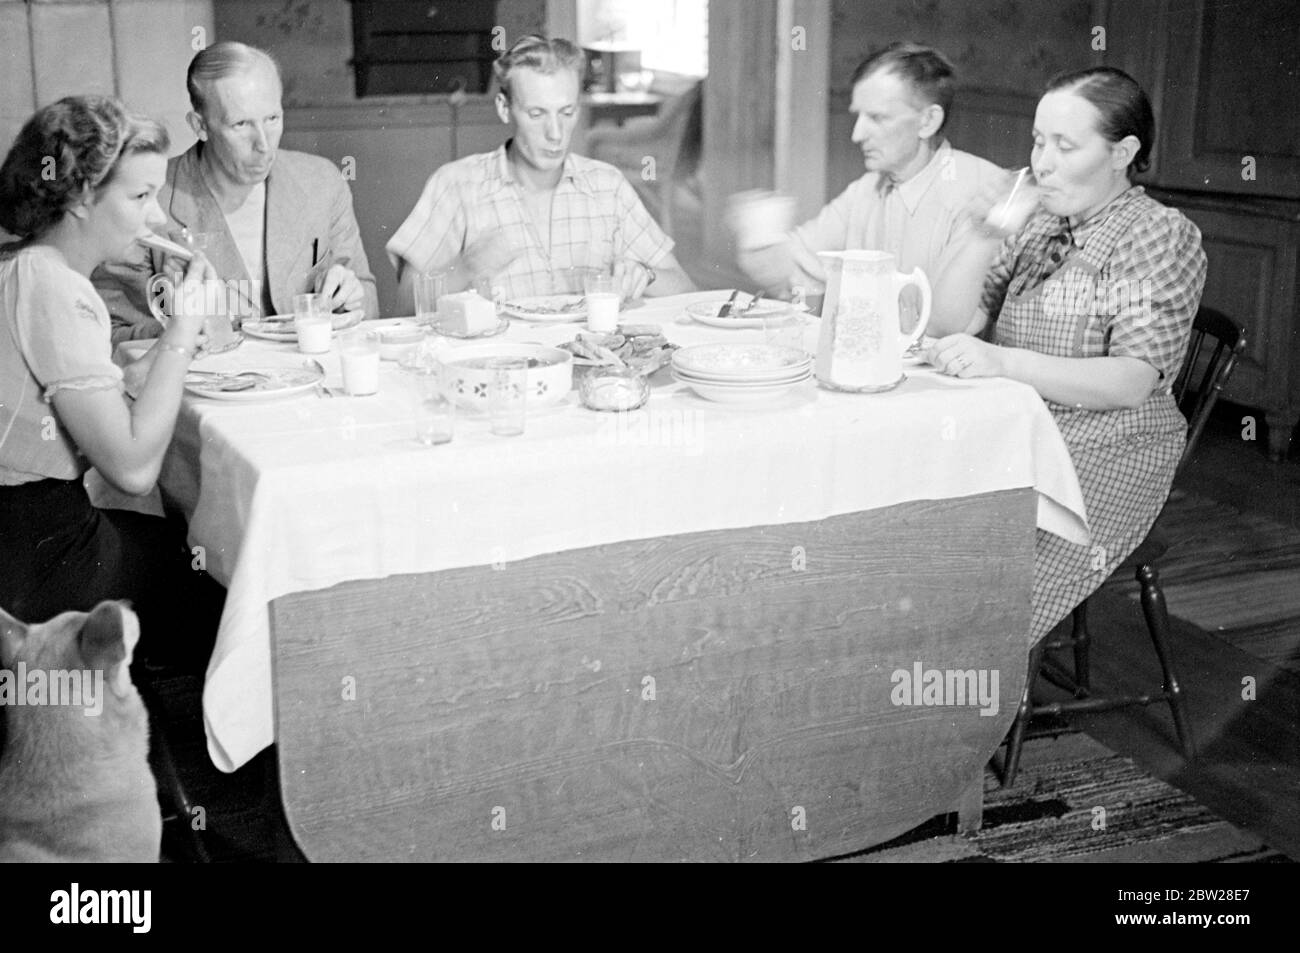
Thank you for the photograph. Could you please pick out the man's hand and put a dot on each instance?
(631, 278)
(341, 288)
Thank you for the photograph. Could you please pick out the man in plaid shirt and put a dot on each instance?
(530, 209)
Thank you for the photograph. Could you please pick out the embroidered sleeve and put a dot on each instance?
(63, 329)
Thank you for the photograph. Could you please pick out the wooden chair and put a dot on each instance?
(178, 809)
(1229, 340)
(672, 139)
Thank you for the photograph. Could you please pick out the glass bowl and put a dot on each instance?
(613, 389)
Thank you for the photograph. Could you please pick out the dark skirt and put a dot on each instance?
(59, 553)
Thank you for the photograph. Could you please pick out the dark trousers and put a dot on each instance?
(59, 553)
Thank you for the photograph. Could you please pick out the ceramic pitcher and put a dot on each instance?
(861, 346)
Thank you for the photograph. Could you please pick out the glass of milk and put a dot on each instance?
(359, 355)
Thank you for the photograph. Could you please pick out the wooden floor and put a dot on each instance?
(1232, 582)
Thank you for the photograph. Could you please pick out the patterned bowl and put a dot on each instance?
(467, 378)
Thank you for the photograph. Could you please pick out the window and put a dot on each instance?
(670, 35)
(419, 46)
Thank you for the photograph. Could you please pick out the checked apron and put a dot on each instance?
(1125, 459)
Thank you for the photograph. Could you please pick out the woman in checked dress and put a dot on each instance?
(1092, 304)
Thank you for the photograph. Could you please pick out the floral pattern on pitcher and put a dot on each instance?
(859, 331)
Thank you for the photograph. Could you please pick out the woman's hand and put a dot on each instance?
(191, 303)
(961, 355)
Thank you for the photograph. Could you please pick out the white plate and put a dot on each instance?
(545, 308)
(502, 326)
(730, 394)
(278, 382)
(745, 362)
(280, 327)
(800, 375)
(706, 312)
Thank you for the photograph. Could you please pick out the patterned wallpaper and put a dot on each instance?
(1011, 45)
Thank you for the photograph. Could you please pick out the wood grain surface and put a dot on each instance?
(711, 696)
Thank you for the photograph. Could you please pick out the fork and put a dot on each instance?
(725, 310)
(752, 302)
(312, 364)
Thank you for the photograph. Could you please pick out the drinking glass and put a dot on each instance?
(602, 299)
(435, 414)
(428, 289)
(759, 219)
(1015, 202)
(508, 395)
(785, 329)
(313, 324)
(359, 354)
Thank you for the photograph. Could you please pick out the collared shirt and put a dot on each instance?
(596, 218)
(923, 222)
(54, 335)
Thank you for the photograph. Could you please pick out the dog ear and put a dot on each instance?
(12, 634)
(108, 635)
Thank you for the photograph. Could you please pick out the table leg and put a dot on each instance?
(1280, 426)
(970, 807)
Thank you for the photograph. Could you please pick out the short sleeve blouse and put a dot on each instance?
(54, 335)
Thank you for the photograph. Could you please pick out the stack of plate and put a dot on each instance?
(741, 373)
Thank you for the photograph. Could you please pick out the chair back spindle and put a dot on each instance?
(1228, 342)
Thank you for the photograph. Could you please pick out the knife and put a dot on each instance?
(725, 310)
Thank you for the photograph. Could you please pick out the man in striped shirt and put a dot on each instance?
(529, 210)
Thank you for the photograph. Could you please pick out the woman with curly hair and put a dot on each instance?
(78, 186)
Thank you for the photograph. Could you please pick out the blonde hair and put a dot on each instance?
(537, 53)
(219, 61)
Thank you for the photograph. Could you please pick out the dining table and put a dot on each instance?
(780, 630)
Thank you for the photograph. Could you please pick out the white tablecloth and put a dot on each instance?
(305, 492)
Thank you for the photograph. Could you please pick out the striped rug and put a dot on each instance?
(1076, 801)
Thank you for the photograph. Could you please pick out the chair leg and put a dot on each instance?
(164, 765)
(1082, 641)
(1016, 738)
(1157, 616)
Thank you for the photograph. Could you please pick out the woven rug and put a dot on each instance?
(1076, 801)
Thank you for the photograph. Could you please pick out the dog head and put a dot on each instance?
(100, 640)
(74, 773)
